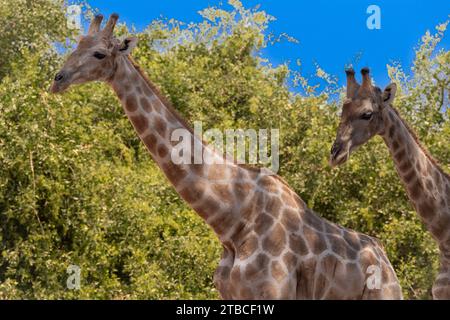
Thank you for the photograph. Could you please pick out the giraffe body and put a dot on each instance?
(368, 112)
(274, 246)
(297, 255)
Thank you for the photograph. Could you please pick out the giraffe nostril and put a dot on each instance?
(59, 76)
(336, 149)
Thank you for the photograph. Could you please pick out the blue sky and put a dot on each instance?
(331, 33)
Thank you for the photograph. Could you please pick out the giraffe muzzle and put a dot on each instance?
(336, 149)
(60, 82)
(338, 154)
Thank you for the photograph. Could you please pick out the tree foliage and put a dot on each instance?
(77, 186)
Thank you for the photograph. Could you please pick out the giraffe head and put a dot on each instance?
(96, 56)
(361, 117)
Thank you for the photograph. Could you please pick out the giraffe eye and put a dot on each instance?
(99, 55)
(367, 116)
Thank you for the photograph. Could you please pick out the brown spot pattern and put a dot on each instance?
(275, 241)
(290, 220)
(273, 206)
(277, 271)
(160, 126)
(151, 142)
(223, 192)
(298, 244)
(140, 123)
(131, 104)
(162, 151)
(146, 106)
(314, 240)
(248, 247)
(175, 173)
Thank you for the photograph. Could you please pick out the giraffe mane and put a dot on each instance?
(421, 146)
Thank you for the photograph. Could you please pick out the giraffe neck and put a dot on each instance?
(428, 187)
(205, 187)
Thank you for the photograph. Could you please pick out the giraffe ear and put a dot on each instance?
(128, 45)
(389, 93)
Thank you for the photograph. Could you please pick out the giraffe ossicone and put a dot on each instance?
(274, 247)
(367, 112)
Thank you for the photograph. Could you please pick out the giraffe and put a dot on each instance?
(274, 247)
(368, 112)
